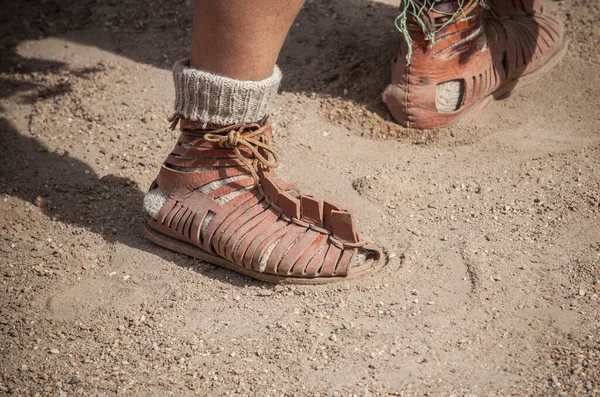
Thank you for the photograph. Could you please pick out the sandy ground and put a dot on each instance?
(492, 227)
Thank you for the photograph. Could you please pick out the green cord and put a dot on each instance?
(413, 10)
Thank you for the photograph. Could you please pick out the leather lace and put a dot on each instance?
(248, 135)
(236, 136)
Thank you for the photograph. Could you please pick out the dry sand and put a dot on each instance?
(492, 227)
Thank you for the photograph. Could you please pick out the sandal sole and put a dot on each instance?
(195, 252)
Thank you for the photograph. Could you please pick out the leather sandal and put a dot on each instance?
(478, 55)
(513, 8)
(225, 205)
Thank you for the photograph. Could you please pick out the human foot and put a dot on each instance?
(478, 55)
(218, 199)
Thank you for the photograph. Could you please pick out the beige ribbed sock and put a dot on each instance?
(449, 96)
(210, 98)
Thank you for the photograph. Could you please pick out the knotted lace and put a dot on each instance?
(246, 135)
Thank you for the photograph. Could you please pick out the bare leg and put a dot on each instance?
(241, 39)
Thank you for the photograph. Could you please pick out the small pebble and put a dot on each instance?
(53, 351)
(74, 380)
(40, 202)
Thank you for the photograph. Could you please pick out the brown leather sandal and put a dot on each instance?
(226, 205)
(478, 56)
(499, 8)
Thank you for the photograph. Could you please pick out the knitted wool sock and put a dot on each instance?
(213, 99)
(449, 96)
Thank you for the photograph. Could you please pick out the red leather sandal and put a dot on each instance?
(478, 55)
(226, 205)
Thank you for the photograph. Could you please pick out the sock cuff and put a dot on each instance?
(214, 99)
